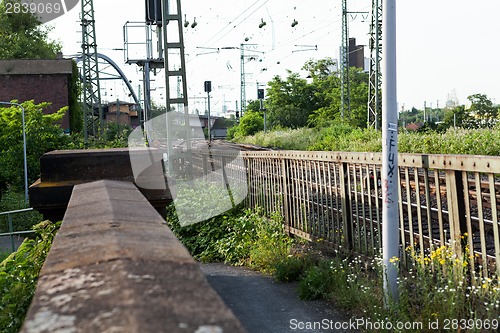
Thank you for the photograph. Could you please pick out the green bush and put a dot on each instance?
(13, 199)
(291, 268)
(317, 283)
(19, 275)
(238, 237)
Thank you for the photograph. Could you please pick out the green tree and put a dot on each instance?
(75, 106)
(251, 123)
(483, 113)
(456, 117)
(327, 89)
(43, 134)
(290, 102)
(22, 36)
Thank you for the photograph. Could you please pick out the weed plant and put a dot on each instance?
(437, 287)
(19, 275)
(238, 237)
(292, 268)
(433, 287)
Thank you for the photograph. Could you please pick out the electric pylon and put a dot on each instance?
(174, 46)
(90, 73)
(173, 41)
(375, 82)
(345, 103)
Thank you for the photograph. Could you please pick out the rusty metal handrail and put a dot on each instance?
(335, 197)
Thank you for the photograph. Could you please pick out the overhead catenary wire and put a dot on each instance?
(233, 23)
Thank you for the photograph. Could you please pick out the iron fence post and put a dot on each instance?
(346, 206)
(456, 210)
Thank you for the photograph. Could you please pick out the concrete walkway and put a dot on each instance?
(265, 306)
(6, 244)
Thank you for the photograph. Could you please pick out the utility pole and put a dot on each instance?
(90, 75)
(375, 81)
(425, 109)
(390, 168)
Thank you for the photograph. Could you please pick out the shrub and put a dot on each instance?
(291, 268)
(19, 275)
(317, 283)
(238, 237)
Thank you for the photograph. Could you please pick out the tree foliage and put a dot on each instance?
(482, 112)
(43, 134)
(290, 102)
(294, 102)
(22, 36)
(75, 106)
(327, 86)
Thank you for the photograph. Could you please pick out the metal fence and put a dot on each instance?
(335, 198)
(11, 233)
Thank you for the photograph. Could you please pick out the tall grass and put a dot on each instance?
(436, 291)
(340, 137)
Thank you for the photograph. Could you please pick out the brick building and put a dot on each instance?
(122, 112)
(38, 80)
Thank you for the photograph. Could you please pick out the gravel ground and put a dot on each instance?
(265, 306)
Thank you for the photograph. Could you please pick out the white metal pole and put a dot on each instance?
(390, 182)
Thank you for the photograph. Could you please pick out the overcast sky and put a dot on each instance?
(445, 47)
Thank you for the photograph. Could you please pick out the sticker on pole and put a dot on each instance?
(44, 10)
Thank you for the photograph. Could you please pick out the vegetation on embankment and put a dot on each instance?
(338, 137)
(19, 275)
(437, 291)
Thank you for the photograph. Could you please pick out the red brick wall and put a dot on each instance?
(40, 88)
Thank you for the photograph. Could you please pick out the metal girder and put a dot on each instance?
(122, 76)
(345, 100)
(375, 81)
(178, 47)
(90, 68)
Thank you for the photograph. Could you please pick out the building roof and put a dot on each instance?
(35, 66)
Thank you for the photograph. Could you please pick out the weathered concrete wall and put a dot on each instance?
(115, 266)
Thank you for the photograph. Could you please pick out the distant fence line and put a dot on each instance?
(336, 198)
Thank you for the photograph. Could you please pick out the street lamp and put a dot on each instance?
(24, 148)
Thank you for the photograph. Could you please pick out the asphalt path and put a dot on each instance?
(266, 306)
(6, 244)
